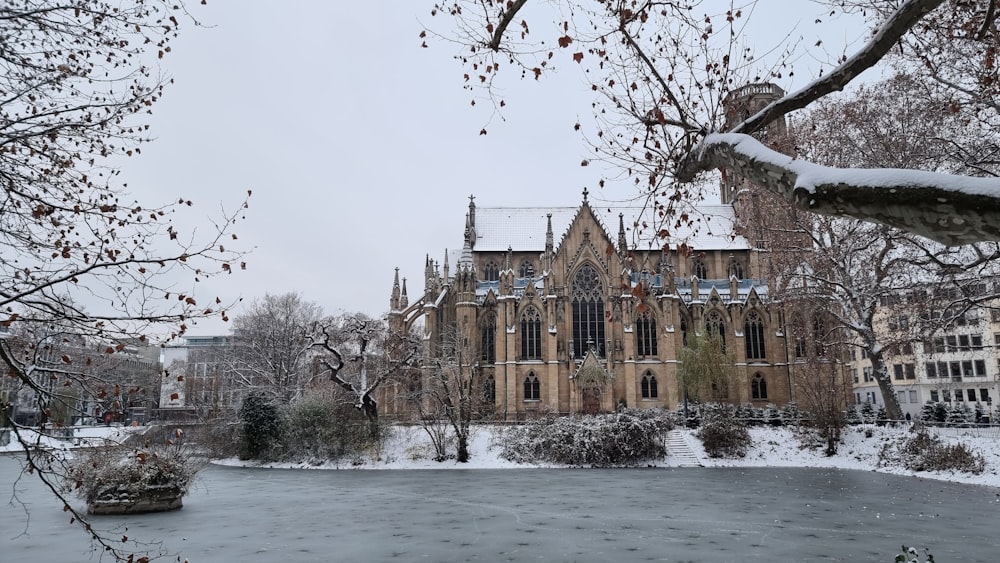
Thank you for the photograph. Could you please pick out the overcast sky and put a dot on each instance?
(360, 147)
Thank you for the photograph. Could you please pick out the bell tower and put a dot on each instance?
(738, 106)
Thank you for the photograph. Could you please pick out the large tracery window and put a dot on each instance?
(714, 325)
(645, 335)
(487, 341)
(531, 335)
(753, 331)
(588, 312)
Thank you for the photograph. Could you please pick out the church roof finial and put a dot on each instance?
(585, 192)
(622, 241)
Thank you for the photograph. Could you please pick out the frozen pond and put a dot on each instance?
(678, 514)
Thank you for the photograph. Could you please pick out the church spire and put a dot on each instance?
(622, 241)
(394, 303)
(446, 268)
(470, 223)
(404, 301)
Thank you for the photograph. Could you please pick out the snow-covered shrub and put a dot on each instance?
(790, 414)
(121, 472)
(625, 437)
(924, 452)
(749, 414)
(852, 415)
(724, 436)
(867, 413)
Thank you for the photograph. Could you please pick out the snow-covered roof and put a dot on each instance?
(523, 228)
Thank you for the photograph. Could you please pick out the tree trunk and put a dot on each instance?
(881, 373)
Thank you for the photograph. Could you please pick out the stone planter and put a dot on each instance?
(154, 498)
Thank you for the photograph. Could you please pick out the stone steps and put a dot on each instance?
(680, 452)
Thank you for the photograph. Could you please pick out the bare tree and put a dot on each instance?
(81, 262)
(873, 276)
(452, 391)
(662, 70)
(271, 349)
(373, 352)
(822, 386)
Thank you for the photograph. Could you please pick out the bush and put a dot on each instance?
(627, 437)
(724, 436)
(320, 427)
(261, 431)
(923, 452)
(114, 472)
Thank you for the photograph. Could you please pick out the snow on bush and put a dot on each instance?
(120, 472)
(722, 434)
(923, 452)
(626, 437)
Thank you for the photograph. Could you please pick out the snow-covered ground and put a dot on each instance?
(409, 448)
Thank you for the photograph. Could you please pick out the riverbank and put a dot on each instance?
(409, 448)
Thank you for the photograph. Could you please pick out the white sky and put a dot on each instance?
(360, 147)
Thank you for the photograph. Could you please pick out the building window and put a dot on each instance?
(980, 367)
(491, 271)
(972, 395)
(527, 269)
(699, 270)
(931, 369)
(934, 396)
(714, 325)
(490, 391)
(913, 396)
(758, 387)
(649, 390)
(868, 374)
(588, 312)
(897, 371)
(532, 387)
(488, 340)
(531, 335)
(645, 335)
(753, 331)
(984, 396)
(901, 396)
(910, 371)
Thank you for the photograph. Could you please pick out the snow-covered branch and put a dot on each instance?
(946, 208)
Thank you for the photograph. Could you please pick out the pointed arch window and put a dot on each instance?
(753, 331)
(758, 387)
(491, 271)
(490, 391)
(649, 389)
(715, 325)
(645, 335)
(488, 340)
(532, 387)
(588, 312)
(699, 269)
(527, 269)
(531, 335)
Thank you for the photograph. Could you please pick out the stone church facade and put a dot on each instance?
(575, 309)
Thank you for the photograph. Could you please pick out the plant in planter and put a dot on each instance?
(119, 479)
